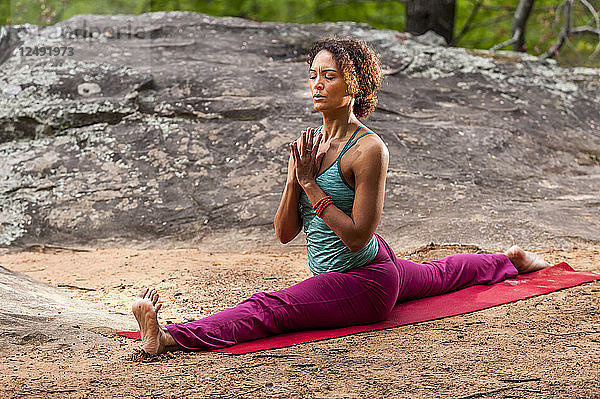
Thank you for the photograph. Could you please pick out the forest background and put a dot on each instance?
(478, 24)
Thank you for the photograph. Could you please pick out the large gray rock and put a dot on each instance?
(174, 127)
(34, 313)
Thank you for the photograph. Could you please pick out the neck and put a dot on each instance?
(337, 127)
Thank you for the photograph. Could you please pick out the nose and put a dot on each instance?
(319, 83)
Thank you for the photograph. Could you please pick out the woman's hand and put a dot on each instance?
(306, 159)
(291, 171)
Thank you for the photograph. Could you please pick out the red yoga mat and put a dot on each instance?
(467, 300)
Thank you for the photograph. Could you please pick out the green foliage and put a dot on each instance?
(493, 25)
(382, 14)
(490, 25)
(38, 12)
(4, 12)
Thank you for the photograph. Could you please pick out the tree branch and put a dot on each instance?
(518, 27)
(594, 13)
(491, 21)
(508, 42)
(585, 29)
(566, 29)
(324, 6)
(519, 23)
(467, 24)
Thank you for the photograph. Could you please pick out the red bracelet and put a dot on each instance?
(319, 202)
(322, 204)
(320, 210)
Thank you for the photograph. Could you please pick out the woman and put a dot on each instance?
(335, 190)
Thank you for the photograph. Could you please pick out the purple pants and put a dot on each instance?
(329, 300)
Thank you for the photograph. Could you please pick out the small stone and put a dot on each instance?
(11, 90)
(88, 89)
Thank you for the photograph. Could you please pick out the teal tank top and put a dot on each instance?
(326, 251)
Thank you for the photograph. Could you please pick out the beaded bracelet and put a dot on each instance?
(322, 208)
(319, 202)
(322, 204)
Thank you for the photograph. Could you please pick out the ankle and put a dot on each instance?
(166, 339)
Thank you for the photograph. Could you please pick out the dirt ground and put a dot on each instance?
(543, 347)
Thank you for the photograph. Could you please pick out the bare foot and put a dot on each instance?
(525, 262)
(155, 339)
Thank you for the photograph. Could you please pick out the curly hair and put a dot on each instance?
(360, 67)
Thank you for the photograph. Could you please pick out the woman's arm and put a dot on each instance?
(370, 169)
(288, 222)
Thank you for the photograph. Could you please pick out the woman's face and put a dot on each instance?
(327, 85)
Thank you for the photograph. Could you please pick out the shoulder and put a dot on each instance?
(370, 155)
(371, 148)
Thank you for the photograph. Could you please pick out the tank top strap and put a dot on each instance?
(350, 143)
(354, 142)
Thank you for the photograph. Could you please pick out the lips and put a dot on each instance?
(318, 97)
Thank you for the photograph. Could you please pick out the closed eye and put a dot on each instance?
(326, 77)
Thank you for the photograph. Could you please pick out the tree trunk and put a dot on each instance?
(9, 39)
(519, 22)
(435, 15)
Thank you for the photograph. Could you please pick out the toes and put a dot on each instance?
(152, 296)
(149, 293)
(513, 249)
(155, 298)
(515, 252)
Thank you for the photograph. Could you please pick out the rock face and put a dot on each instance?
(170, 128)
(35, 313)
